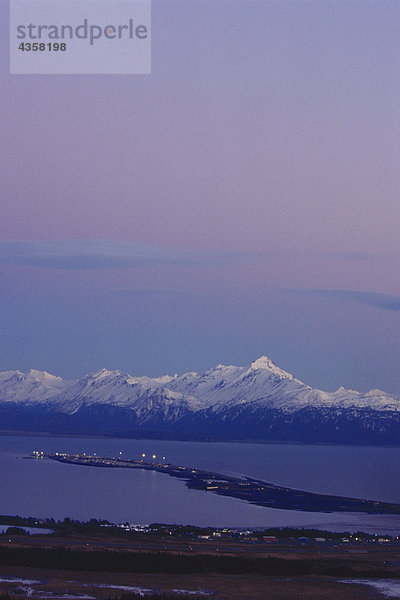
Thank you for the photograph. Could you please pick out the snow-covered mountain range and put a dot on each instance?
(259, 402)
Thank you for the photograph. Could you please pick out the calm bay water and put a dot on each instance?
(44, 488)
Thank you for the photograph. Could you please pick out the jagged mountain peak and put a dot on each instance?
(266, 364)
(220, 371)
(103, 374)
(106, 377)
(43, 376)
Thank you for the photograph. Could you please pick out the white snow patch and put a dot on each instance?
(390, 588)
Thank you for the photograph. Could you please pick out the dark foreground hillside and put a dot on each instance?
(85, 561)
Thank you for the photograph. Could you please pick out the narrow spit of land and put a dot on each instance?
(252, 490)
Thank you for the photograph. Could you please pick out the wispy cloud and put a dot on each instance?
(148, 291)
(117, 254)
(102, 254)
(385, 301)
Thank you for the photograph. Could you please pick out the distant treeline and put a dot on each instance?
(169, 562)
(68, 525)
(133, 596)
(49, 522)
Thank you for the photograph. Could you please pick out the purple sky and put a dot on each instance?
(241, 200)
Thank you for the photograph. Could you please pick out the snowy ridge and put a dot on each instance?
(114, 388)
(261, 384)
(29, 388)
(260, 400)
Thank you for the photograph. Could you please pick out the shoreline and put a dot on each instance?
(100, 436)
(252, 490)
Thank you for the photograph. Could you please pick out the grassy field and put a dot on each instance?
(108, 564)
